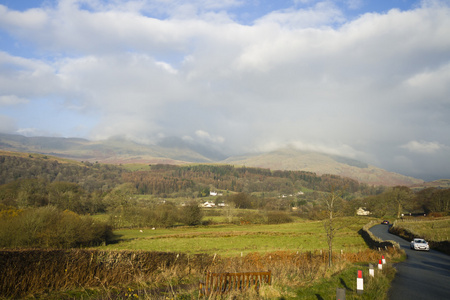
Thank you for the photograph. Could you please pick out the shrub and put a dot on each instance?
(49, 227)
(247, 217)
(278, 217)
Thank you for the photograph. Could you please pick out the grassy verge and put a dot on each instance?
(375, 287)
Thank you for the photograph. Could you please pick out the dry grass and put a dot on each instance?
(154, 275)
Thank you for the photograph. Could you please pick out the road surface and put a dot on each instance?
(423, 275)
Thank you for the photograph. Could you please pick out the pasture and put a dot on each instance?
(433, 229)
(232, 240)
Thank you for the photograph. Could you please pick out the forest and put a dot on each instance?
(53, 191)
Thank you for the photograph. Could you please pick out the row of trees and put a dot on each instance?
(156, 215)
(165, 180)
(191, 180)
(91, 177)
(399, 200)
(38, 192)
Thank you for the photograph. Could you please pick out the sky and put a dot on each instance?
(365, 79)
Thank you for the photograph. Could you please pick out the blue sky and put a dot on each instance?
(365, 79)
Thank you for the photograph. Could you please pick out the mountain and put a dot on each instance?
(113, 150)
(320, 163)
(174, 150)
(438, 184)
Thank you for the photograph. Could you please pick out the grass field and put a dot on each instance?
(437, 229)
(232, 240)
(294, 252)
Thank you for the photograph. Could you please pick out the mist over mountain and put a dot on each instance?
(201, 148)
(174, 150)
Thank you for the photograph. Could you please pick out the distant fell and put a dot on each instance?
(320, 163)
(114, 150)
(175, 151)
(439, 184)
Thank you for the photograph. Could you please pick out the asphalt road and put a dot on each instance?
(423, 275)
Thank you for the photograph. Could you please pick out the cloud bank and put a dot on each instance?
(374, 86)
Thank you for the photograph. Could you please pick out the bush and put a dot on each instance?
(278, 217)
(49, 227)
(250, 217)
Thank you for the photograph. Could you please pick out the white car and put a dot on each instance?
(420, 244)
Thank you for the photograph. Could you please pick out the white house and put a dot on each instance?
(362, 212)
(208, 204)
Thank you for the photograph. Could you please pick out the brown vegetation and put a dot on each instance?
(27, 272)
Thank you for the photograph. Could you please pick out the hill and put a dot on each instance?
(115, 150)
(439, 184)
(178, 152)
(319, 163)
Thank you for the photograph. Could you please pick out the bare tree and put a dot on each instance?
(333, 201)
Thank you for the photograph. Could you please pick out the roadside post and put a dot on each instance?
(380, 265)
(382, 259)
(371, 270)
(340, 294)
(359, 283)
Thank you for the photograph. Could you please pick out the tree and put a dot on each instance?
(191, 214)
(401, 196)
(120, 196)
(433, 200)
(332, 201)
(241, 200)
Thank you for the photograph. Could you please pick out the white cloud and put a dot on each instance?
(423, 147)
(31, 19)
(208, 137)
(166, 67)
(7, 100)
(26, 78)
(322, 14)
(32, 132)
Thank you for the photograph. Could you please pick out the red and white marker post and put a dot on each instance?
(359, 283)
(380, 265)
(382, 259)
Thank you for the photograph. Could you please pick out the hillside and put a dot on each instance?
(114, 150)
(292, 159)
(177, 152)
(439, 184)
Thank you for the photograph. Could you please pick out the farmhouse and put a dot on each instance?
(214, 193)
(362, 212)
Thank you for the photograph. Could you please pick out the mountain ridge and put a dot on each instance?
(175, 151)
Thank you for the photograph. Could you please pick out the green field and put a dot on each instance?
(231, 240)
(437, 229)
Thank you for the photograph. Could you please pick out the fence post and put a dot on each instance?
(371, 271)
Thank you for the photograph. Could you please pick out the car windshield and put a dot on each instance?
(420, 241)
